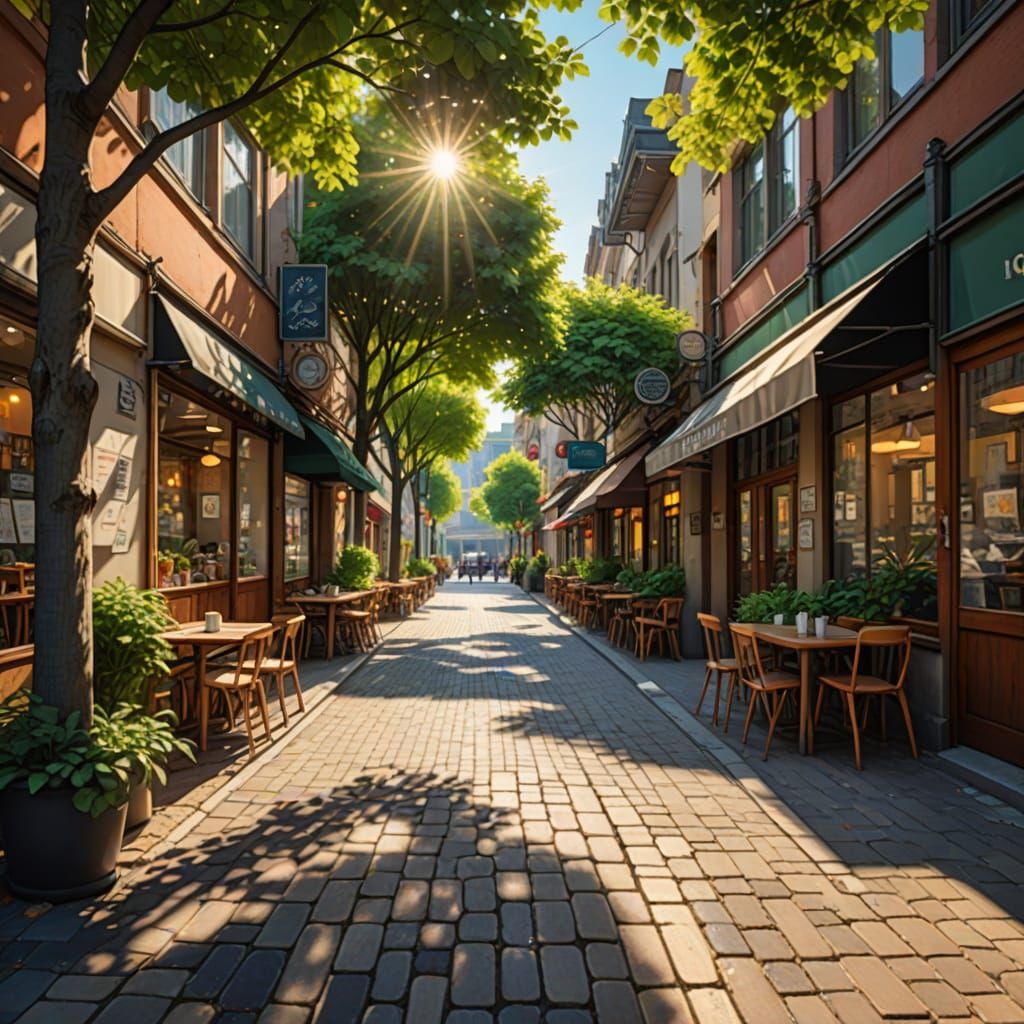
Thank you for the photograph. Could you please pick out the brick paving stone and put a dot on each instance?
(308, 964)
(473, 974)
(478, 928)
(628, 907)
(648, 962)
(516, 924)
(134, 1010)
(433, 961)
(593, 917)
(519, 1015)
(664, 1006)
(156, 981)
(252, 983)
(82, 987)
(445, 900)
(689, 951)
(890, 996)
(549, 886)
(712, 1006)
(205, 1013)
(554, 922)
(283, 926)
(343, 1000)
(359, 948)
(469, 1017)
(426, 1000)
(213, 975)
(565, 976)
(437, 936)
(810, 1010)
(513, 885)
(520, 980)
(411, 899)
(616, 1003)
(392, 976)
(755, 998)
(46, 1012)
(382, 1014)
(606, 960)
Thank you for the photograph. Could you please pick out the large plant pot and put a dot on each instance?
(55, 852)
(140, 806)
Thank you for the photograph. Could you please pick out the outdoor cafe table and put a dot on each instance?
(785, 636)
(331, 603)
(194, 635)
(608, 598)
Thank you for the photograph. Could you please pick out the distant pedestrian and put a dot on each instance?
(497, 570)
(480, 566)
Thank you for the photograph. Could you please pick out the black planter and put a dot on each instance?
(55, 852)
(140, 806)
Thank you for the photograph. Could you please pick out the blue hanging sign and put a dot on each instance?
(584, 455)
(303, 302)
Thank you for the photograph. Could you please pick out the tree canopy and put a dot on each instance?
(444, 491)
(750, 59)
(610, 334)
(511, 492)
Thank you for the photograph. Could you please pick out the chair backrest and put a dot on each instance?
(712, 627)
(289, 635)
(748, 655)
(873, 637)
(253, 651)
(669, 610)
(847, 622)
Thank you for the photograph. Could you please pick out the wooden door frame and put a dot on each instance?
(956, 357)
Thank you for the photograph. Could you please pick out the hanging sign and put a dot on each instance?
(533, 452)
(692, 346)
(562, 449)
(652, 386)
(584, 454)
(303, 293)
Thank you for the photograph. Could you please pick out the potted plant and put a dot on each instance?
(64, 792)
(536, 569)
(601, 570)
(669, 581)
(130, 656)
(420, 567)
(356, 568)
(516, 569)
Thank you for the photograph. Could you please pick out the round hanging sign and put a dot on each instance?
(692, 346)
(310, 370)
(652, 386)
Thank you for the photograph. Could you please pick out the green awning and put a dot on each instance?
(180, 338)
(325, 456)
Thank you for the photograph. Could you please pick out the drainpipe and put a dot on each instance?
(936, 191)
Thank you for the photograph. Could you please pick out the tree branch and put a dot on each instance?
(187, 26)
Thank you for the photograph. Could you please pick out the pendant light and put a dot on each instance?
(210, 460)
(1008, 401)
(908, 439)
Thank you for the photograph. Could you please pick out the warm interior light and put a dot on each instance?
(12, 329)
(1008, 401)
(15, 398)
(444, 164)
(211, 460)
(211, 429)
(908, 439)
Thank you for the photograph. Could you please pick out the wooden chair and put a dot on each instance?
(285, 662)
(771, 688)
(242, 679)
(620, 625)
(712, 627)
(588, 608)
(662, 623)
(174, 688)
(855, 683)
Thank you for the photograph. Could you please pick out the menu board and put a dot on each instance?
(25, 520)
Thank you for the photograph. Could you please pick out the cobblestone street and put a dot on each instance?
(489, 822)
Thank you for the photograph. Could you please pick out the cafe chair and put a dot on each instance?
(621, 623)
(589, 612)
(242, 680)
(716, 665)
(871, 640)
(662, 623)
(174, 688)
(772, 688)
(285, 661)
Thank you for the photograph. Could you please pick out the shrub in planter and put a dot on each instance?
(536, 569)
(64, 791)
(601, 570)
(420, 567)
(630, 579)
(355, 568)
(516, 568)
(667, 582)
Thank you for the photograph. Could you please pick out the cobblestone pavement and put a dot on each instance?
(491, 823)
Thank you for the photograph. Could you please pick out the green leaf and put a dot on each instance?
(36, 781)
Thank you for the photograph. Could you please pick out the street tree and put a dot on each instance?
(432, 274)
(511, 494)
(443, 496)
(433, 420)
(610, 335)
(294, 74)
(750, 59)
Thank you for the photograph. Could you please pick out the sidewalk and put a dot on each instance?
(490, 822)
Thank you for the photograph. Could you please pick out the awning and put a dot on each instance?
(180, 338)
(325, 456)
(601, 491)
(557, 524)
(559, 492)
(777, 384)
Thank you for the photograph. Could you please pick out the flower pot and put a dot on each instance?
(778, 618)
(140, 806)
(55, 852)
(801, 623)
(820, 626)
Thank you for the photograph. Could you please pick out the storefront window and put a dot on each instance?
(617, 523)
(253, 505)
(296, 528)
(671, 550)
(768, 448)
(193, 493)
(17, 455)
(992, 485)
(636, 538)
(883, 480)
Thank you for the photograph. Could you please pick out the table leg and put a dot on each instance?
(329, 641)
(805, 690)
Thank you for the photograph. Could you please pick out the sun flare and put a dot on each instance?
(444, 164)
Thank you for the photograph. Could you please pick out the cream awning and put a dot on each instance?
(605, 482)
(777, 384)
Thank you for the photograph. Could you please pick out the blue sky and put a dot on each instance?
(575, 170)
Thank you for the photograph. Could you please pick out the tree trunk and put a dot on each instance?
(63, 389)
(361, 450)
(397, 489)
(433, 537)
(415, 485)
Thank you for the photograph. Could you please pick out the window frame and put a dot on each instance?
(251, 182)
(886, 107)
(199, 156)
(962, 26)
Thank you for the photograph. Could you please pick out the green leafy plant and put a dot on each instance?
(630, 579)
(420, 567)
(516, 567)
(601, 570)
(129, 651)
(181, 554)
(539, 564)
(669, 581)
(355, 568)
(100, 764)
(573, 567)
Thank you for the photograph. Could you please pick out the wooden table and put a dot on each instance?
(16, 576)
(194, 635)
(805, 646)
(607, 599)
(331, 603)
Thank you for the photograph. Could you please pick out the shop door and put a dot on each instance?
(987, 556)
(764, 545)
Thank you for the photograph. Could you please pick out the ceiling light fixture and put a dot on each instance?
(212, 429)
(210, 460)
(1007, 401)
(908, 439)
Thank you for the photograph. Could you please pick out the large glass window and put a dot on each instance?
(751, 199)
(296, 528)
(967, 15)
(879, 84)
(17, 453)
(883, 480)
(672, 540)
(992, 485)
(238, 182)
(193, 493)
(253, 505)
(188, 157)
(771, 447)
